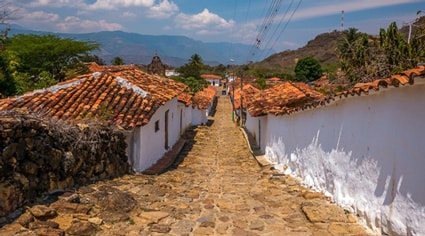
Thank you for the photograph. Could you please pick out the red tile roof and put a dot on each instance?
(248, 92)
(284, 98)
(209, 76)
(274, 79)
(185, 98)
(288, 97)
(203, 99)
(127, 97)
(404, 78)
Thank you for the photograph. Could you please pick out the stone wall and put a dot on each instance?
(39, 156)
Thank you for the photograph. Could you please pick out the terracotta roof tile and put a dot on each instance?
(124, 96)
(209, 76)
(404, 78)
(284, 98)
(203, 99)
(185, 98)
(248, 92)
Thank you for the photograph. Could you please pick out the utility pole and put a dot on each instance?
(241, 118)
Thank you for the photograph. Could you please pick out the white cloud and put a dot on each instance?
(163, 10)
(37, 17)
(326, 8)
(114, 4)
(75, 24)
(52, 3)
(128, 14)
(203, 21)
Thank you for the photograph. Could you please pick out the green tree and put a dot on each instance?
(193, 83)
(46, 53)
(93, 58)
(400, 54)
(360, 58)
(261, 82)
(308, 69)
(117, 61)
(192, 68)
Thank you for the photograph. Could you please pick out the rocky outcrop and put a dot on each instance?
(39, 156)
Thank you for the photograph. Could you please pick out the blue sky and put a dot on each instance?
(238, 21)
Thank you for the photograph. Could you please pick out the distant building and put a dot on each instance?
(169, 73)
(214, 80)
(156, 67)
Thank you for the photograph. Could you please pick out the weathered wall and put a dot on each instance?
(367, 152)
(38, 156)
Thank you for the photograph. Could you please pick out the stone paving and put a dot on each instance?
(217, 188)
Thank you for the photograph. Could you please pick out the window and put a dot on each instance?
(156, 126)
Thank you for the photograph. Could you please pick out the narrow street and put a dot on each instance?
(218, 188)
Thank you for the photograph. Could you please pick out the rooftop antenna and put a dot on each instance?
(342, 20)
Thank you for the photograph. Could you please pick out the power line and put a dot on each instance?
(284, 27)
(265, 27)
(279, 25)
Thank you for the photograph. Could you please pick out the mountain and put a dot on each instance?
(322, 47)
(139, 49)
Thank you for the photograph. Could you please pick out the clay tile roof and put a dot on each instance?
(127, 98)
(248, 92)
(185, 98)
(404, 78)
(284, 98)
(209, 76)
(274, 79)
(94, 67)
(203, 99)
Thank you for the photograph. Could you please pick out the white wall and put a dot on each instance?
(146, 146)
(367, 152)
(199, 116)
(257, 126)
(214, 82)
(186, 115)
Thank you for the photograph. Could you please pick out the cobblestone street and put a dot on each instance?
(217, 188)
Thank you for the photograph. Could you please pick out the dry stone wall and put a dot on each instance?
(39, 156)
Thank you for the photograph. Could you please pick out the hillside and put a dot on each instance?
(322, 48)
(137, 48)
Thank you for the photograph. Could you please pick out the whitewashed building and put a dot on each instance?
(366, 151)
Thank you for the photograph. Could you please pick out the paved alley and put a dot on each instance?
(217, 188)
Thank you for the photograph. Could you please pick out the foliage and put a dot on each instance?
(31, 62)
(400, 54)
(93, 58)
(117, 61)
(261, 82)
(46, 53)
(190, 74)
(365, 59)
(307, 69)
(7, 83)
(192, 68)
(360, 58)
(193, 83)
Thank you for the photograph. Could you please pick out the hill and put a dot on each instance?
(139, 49)
(322, 47)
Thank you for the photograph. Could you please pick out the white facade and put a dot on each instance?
(170, 73)
(257, 126)
(147, 144)
(214, 82)
(367, 152)
(199, 116)
(185, 117)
